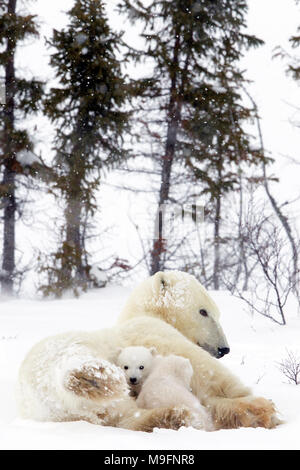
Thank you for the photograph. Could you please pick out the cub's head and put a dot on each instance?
(180, 300)
(136, 362)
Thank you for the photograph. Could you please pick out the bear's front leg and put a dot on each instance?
(248, 411)
(166, 418)
(138, 419)
(98, 380)
(231, 404)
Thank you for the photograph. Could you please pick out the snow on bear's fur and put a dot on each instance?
(168, 384)
(136, 363)
(72, 376)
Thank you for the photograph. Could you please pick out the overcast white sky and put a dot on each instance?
(275, 21)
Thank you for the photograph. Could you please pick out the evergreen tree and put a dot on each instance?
(216, 147)
(21, 97)
(87, 109)
(190, 43)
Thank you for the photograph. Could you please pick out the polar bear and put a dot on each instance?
(72, 376)
(65, 378)
(136, 362)
(167, 383)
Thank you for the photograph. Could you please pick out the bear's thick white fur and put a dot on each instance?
(168, 384)
(72, 376)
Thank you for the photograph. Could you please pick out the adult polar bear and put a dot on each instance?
(72, 376)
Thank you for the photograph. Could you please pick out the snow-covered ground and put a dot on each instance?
(257, 345)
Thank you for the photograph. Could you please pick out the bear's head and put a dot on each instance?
(136, 362)
(179, 299)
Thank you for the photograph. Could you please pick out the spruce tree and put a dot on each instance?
(87, 109)
(189, 42)
(216, 146)
(20, 97)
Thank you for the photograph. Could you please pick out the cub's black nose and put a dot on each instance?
(223, 351)
(132, 380)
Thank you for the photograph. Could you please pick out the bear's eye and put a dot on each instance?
(125, 367)
(141, 367)
(203, 312)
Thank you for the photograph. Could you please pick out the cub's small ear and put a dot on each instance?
(153, 351)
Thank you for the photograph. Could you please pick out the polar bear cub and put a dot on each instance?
(159, 381)
(136, 362)
(168, 383)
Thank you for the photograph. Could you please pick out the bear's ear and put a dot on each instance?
(160, 282)
(153, 351)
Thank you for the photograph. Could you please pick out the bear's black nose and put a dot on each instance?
(133, 380)
(223, 351)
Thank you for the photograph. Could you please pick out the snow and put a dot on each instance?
(27, 158)
(81, 38)
(99, 276)
(257, 345)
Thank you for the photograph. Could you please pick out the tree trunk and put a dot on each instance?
(74, 206)
(73, 227)
(9, 199)
(217, 222)
(242, 258)
(8, 261)
(174, 116)
(73, 220)
(159, 241)
(216, 274)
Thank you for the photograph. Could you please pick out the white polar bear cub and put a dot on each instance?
(167, 383)
(136, 362)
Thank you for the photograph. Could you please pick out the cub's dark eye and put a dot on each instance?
(125, 367)
(141, 367)
(203, 312)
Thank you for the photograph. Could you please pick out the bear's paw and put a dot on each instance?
(167, 418)
(97, 381)
(246, 412)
